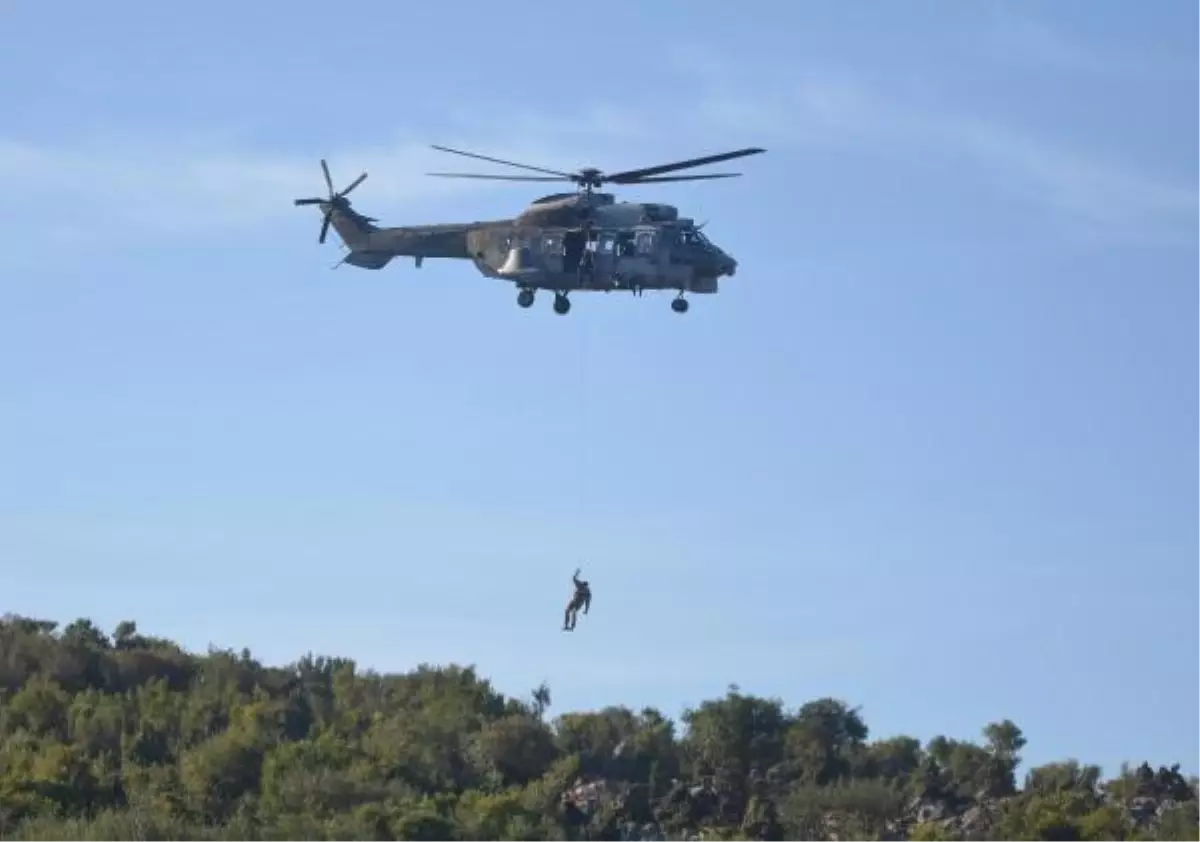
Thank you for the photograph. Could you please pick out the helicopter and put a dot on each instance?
(561, 243)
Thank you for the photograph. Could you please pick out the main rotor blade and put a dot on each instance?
(324, 229)
(499, 177)
(638, 175)
(652, 179)
(353, 184)
(328, 180)
(501, 161)
(310, 201)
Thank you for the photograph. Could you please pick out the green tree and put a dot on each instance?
(1004, 743)
(826, 741)
(1067, 776)
(516, 749)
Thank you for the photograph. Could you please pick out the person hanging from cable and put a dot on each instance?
(582, 598)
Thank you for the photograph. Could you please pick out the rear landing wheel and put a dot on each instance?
(562, 304)
(525, 298)
(680, 305)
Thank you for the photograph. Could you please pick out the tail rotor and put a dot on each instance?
(336, 201)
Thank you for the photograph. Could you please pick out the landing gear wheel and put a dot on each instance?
(562, 304)
(680, 305)
(525, 298)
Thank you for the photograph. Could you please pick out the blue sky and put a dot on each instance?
(932, 451)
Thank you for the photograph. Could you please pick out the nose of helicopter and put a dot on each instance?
(722, 264)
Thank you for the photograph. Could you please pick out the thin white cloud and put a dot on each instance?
(133, 182)
(214, 181)
(165, 188)
(141, 183)
(597, 122)
(1114, 201)
(1016, 35)
(1091, 190)
(806, 107)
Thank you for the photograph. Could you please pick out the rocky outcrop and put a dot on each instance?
(981, 818)
(691, 811)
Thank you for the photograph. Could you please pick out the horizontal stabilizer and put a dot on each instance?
(368, 259)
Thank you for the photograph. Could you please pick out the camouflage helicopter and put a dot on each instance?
(562, 243)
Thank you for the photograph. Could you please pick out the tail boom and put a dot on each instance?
(374, 248)
(423, 241)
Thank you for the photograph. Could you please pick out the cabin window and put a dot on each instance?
(645, 242)
(606, 243)
(552, 244)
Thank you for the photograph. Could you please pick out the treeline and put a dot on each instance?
(131, 737)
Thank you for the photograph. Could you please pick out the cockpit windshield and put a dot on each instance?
(692, 236)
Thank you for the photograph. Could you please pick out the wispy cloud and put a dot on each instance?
(1014, 34)
(822, 106)
(1093, 191)
(1017, 35)
(1112, 200)
(198, 188)
(208, 181)
(215, 183)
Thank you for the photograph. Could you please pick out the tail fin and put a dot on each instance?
(354, 228)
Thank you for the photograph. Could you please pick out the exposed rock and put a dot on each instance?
(693, 809)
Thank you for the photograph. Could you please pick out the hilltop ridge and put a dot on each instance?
(128, 736)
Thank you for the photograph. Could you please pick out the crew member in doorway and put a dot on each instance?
(587, 261)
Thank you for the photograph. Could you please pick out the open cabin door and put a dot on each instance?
(603, 250)
(551, 250)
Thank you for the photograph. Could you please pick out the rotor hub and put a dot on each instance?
(590, 179)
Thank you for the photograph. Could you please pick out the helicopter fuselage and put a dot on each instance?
(562, 243)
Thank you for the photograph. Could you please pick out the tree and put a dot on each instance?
(1004, 743)
(826, 740)
(541, 699)
(1068, 776)
(516, 749)
(85, 633)
(895, 759)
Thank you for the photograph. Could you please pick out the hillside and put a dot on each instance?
(130, 737)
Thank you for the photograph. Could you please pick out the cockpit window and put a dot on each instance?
(692, 236)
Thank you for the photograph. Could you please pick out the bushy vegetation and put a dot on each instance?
(130, 737)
